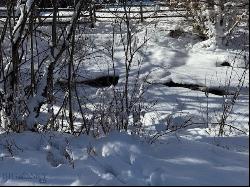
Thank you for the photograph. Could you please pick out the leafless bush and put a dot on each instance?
(229, 101)
(217, 18)
(220, 122)
(122, 107)
(29, 76)
(174, 123)
(27, 73)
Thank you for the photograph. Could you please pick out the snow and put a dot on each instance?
(194, 155)
(29, 4)
(22, 9)
(17, 27)
(118, 159)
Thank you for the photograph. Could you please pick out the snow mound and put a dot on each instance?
(118, 159)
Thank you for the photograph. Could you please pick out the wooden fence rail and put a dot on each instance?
(91, 15)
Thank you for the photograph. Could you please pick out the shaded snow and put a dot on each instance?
(118, 159)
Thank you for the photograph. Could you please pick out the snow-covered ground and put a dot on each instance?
(190, 156)
(121, 159)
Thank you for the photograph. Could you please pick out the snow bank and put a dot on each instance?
(119, 159)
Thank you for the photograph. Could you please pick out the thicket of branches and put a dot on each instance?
(27, 73)
(30, 60)
(217, 19)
